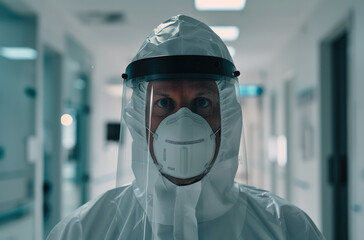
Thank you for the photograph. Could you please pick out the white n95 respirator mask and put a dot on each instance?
(184, 144)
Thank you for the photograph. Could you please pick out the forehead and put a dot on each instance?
(183, 86)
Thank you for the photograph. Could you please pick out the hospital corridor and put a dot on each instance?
(194, 119)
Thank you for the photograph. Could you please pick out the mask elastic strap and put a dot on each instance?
(155, 136)
(213, 135)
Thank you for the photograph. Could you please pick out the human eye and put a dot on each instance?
(164, 107)
(202, 102)
(201, 106)
(165, 103)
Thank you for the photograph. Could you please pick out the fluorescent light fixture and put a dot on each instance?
(18, 53)
(282, 150)
(219, 5)
(272, 149)
(226, 33)
(250, 90)
(114, 90)
(277, 150)
(231, 50)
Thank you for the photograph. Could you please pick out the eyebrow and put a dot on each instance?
(161, 94)
(208, 92)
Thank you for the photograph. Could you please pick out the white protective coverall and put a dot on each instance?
(213, 207)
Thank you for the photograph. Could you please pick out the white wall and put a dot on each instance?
(301, 58)
(110, 64)
(356, 120)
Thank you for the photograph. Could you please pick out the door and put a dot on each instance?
(339, 157)
(334, 135)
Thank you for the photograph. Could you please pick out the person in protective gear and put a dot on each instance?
(185, 123)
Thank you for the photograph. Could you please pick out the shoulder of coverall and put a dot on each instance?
(293, 221)
(85, 216)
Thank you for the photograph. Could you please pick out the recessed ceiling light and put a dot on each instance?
(18, 53)
(220, 5)
(226, 33)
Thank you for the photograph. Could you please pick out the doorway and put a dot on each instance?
(76, 130)
(334, 135)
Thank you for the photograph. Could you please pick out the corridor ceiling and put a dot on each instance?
(265, 25)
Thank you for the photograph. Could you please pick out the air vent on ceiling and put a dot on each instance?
(101, 18)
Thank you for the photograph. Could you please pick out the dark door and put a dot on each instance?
(339, 160)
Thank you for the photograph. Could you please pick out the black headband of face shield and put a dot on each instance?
(180, 66)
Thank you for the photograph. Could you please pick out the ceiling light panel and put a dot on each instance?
(226, 33)
(220, 5)
(18, 53)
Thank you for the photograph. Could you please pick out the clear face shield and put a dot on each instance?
(183, 138)
(183, 125)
